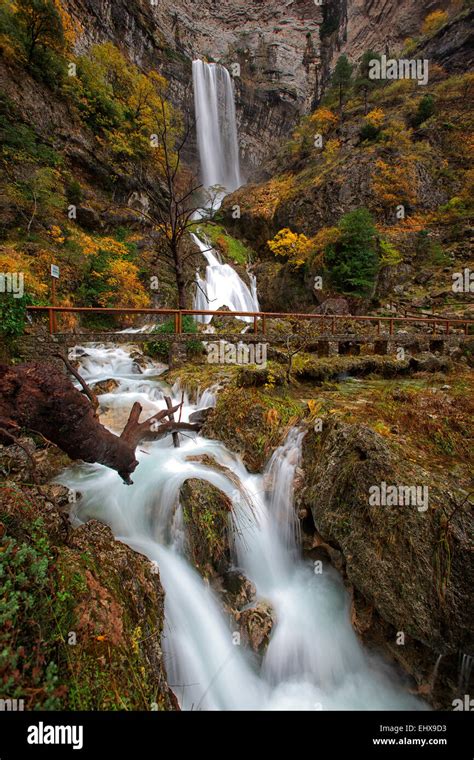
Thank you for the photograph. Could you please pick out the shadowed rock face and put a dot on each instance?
(276, 45)
(409, 571)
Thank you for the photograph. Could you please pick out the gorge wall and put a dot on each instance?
(283, 62)
(275, 44)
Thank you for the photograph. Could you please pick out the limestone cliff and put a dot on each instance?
(275, 44)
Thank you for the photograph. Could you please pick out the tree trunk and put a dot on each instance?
(179, 275)
(40, 398)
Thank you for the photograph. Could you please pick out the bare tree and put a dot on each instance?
(172, 213)
(296, 342)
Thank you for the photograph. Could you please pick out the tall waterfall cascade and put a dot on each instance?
(216, 125)
(220, 166)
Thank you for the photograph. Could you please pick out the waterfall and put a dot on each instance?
(219, 155)
(222, 286)
(314, 660)
(216, 126)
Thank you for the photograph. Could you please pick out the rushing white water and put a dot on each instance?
(314, 660)
(219, 156)
(216, 126)
(222, 286)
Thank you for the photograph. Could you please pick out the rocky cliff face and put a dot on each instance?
(284, 64)
(354, 26)
(275, 44)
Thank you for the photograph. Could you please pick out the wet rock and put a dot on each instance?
(106, 386)
(200, 416)
(255, 624)
(413, 566)
(239, 591)
(206, 512)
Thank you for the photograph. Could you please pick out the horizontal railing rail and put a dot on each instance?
(262, 316)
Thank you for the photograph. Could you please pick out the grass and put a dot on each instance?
(228, 246)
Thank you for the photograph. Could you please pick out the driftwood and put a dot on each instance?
(39, 397)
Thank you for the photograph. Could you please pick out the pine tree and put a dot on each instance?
(352, 261)
(342, 77)
(363, 83)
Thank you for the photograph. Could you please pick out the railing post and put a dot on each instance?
(447, 327)
(378, 327)
(255, 324)
(176, 323)
(264, 325)
(333, 326)
(391, 327)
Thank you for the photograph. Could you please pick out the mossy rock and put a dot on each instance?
(86, 634)
(252, 422)
(206, 512)
(413, 567)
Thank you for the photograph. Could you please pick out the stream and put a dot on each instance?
(314, 660)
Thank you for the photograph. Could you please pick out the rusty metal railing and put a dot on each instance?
(259, 317)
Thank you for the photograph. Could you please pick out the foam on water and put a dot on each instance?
(314, 660)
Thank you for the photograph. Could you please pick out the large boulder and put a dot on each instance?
(206, 512)
(411, 568)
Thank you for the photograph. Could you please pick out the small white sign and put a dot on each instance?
(55, 271)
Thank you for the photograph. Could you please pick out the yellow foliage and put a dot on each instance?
(56, 234)
(323, 120)
(70, 28)
(12, 260)
(434, 21)
(92, 245)
(323, 238)
(123, 282)
(331, 149)
(376, 117)
(292, 246)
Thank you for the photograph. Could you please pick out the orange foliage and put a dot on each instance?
(70, 28)
(323, 120)
(122, 278)
(434, 21)
(394, 184)
(376, 117)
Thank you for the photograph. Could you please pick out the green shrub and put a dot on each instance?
(12, 315)
(369, 132)
(426, 109)
(159, 349)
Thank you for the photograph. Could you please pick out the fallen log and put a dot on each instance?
(41, 398)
